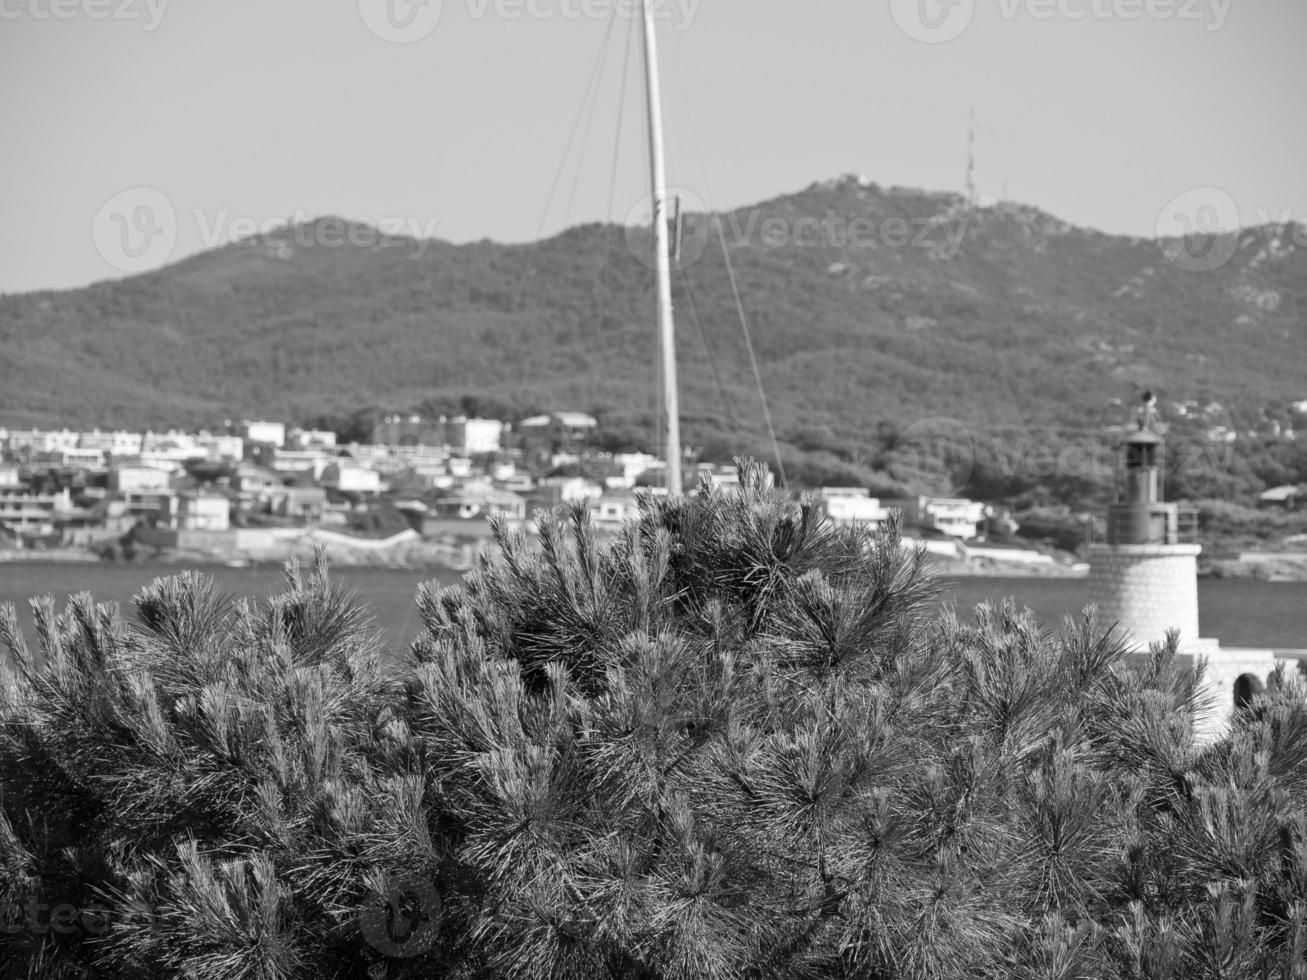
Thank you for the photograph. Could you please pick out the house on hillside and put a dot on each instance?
(556, 490)
(115, 444)
(933, 542)
(153, 505)
(344, 476)
(134, 478)
(33, 514)
(199, 510)
(630, 467)
(322, 439)
(302, 504)
(406, 430)
(73, 457)
(471, 503)
(474, 437)
(265, 433)
(256, 485)
(1283, 498)
(956, 517)
(219, 448)
(718, 477)
(560, 432)
(853, 506)
(614, 509)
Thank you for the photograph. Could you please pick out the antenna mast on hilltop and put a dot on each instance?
(971, 160)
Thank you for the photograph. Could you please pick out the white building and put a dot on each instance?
(198, 511)
(630, 467)
(33, 513)
(853, 505)
(168, 450)
(573, 489)
(113, 443)
(956, 517)
(138, 479)
(311, 439)
(517, 482)
(298, 460)
(273, 433)
(612, 510)
(474, 437)
(75, 456)
(219, 448)
(39, 440)
(348, 478)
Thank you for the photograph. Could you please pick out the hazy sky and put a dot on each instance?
(213, 117)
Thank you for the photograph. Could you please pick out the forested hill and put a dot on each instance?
(881, 308)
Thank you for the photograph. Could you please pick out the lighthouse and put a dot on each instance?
(1144, 577)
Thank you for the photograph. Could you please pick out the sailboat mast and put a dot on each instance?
(662, 253)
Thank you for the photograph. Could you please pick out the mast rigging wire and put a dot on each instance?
(727, 402)
(612, 176)
(697, 144)
(748, 344)
(600, 60)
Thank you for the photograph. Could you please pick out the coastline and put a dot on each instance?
(460, 555)
(1265, 567)
(992, 568)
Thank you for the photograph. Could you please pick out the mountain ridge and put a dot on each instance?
(1002, 316)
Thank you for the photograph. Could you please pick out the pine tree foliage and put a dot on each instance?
(733, 741)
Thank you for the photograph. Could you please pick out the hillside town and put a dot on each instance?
(418, 491)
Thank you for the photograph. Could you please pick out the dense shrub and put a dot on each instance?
(731, 742)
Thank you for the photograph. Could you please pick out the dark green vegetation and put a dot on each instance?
(1020, 327)
(728, 743)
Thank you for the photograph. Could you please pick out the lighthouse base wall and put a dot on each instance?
(1147, 590)
(1232, 678)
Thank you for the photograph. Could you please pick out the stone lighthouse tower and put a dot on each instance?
(1144, 578)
